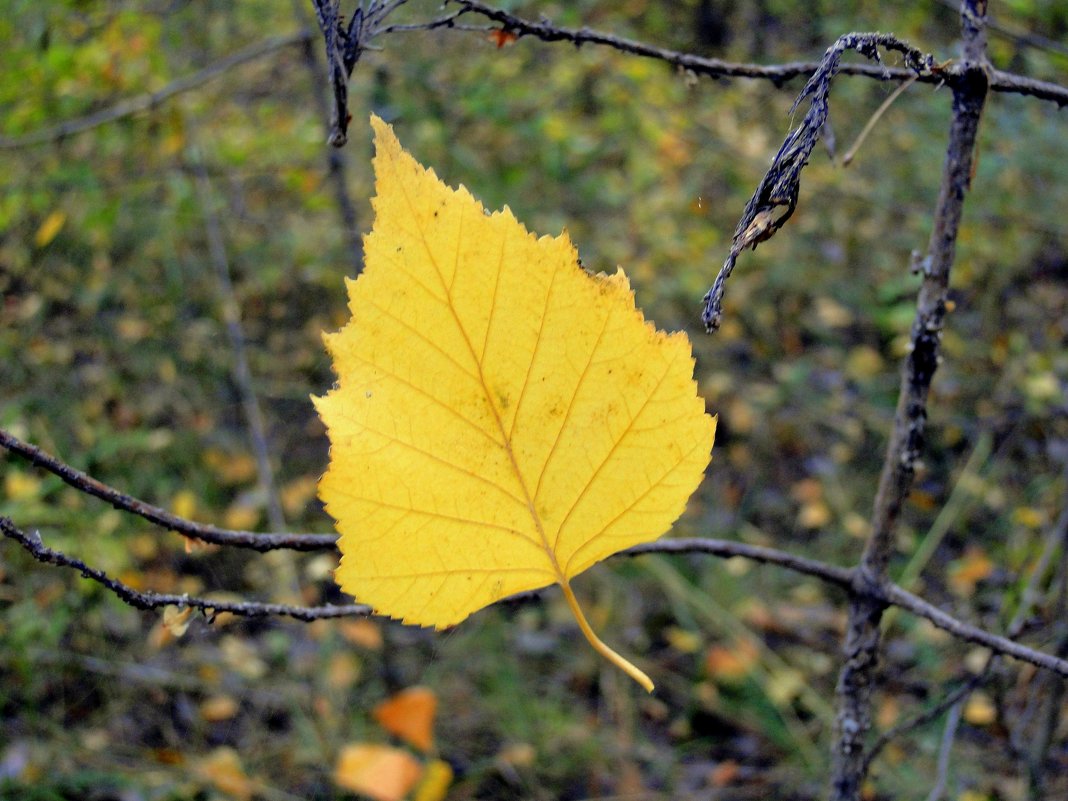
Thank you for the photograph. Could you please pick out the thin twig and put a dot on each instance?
(160, 517)
(944, 751)
(336, 164)
(846, 578)
(851, 154)
(1056, 540)
(777, 74)
(146, 102)
(231, 314)
(154, 600)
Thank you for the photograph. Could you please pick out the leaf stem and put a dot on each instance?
(598, 644)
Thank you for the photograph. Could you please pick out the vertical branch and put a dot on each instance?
(336, 164)
(861, 648)
(241, 371)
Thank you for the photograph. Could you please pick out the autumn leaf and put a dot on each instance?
(378, 771)
(409, 714)
(437, 778)
(48, 229)
(502, 419)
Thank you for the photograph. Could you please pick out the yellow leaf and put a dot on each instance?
(969, 570)
(362, 632)
(979, 709)
(184, 503)
(502, 420)
(381, 772)
(436, 781)
(219, 708)
(732, 664)
(223, 768)
(19, 486)
(409, 714)
(176, 620)
(48, 229)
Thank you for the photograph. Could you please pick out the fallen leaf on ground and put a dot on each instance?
(379, 771)
(409, 714)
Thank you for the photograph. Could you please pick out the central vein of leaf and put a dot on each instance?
(507, 443)
(506, 440)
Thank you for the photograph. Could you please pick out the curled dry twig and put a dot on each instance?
(775, 197)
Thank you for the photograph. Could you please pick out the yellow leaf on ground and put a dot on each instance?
(410, 715)
(502, 420)
(48, 229)
(437, 778)
(19, 486)
(223, 769)
(219, 708)
(378, 771)
(362, 632)
(979, 709)
(969, 570)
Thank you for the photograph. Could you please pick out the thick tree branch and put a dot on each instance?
(146, 102)
(862, 641)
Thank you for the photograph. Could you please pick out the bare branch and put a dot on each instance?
(883, 594)
(944, 751)
(862, 641)
(1056, 539)
(727, 549)
(146, 102)
(778, 74)
(154, 600)
(344, 46)
(187, 528)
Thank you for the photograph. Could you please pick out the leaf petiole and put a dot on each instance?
(598, 644)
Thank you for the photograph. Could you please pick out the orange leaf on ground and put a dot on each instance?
(378, 771)
(410, 715)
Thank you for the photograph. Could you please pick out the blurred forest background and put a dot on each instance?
(128, 252)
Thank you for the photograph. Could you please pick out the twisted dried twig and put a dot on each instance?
(775, 197)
